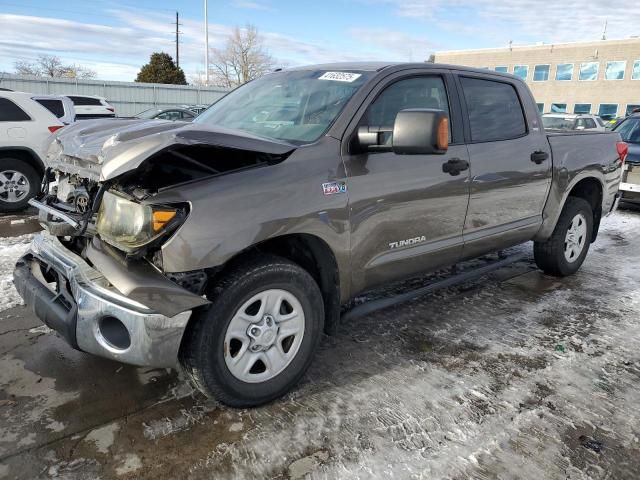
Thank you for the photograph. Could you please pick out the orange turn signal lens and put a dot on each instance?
(161, 218)
(443, 134)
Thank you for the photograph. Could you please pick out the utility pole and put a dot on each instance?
(206, 44)
(178, 32)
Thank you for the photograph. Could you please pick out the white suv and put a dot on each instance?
(88, 106)
(25, 126)
(572, 121)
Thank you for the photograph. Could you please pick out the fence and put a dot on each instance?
(128, 98)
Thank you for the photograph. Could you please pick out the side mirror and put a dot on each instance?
(420, 131)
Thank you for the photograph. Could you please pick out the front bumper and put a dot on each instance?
(90, 314)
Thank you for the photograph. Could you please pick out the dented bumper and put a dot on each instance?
(81, 303)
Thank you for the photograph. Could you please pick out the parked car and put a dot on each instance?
(197, 109)
(629, 130)
(180, 114)
(61, 106)
(25, 126)
(572, 121)
(89, 106)
(228, 245)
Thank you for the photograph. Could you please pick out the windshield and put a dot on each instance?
(558, 123)
(629, 130)
(148, 113)
(294, 106)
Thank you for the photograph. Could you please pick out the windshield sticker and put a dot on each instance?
(340, 76)
(332, 188)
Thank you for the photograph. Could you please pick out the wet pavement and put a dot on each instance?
(516, 375)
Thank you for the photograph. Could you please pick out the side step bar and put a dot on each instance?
(464, 276)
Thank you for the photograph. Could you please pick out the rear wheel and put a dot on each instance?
(19, 182)
(259, 335)
(567, 248)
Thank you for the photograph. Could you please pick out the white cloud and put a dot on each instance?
(527, 20)
(385, 44)
(250, 5)
(117, 52)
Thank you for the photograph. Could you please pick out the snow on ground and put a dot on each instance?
(11, 249)
(516, 375)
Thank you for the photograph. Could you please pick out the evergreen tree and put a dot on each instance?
(161, 69)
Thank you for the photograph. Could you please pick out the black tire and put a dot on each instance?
(550, 255)
(202, 351)
(23, 167)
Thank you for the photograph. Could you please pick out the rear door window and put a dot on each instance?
(10, 112)
(54, 106)
(494, 109)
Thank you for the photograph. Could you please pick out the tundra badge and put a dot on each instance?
(407, 242)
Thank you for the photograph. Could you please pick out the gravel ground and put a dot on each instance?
(516, 375)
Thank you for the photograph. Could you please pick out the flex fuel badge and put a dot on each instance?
(332, 188)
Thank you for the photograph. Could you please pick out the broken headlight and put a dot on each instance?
(129, 225)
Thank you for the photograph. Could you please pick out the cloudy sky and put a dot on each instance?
(115, 37)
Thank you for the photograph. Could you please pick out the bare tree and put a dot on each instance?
(52, 66)
(243, 58)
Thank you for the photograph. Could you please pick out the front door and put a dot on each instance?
(406, 213)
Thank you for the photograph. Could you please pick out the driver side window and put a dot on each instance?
(416, 92)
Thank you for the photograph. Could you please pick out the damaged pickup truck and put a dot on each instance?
(226, 247)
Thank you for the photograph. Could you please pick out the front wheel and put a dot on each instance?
(258, 337)
(567, 248)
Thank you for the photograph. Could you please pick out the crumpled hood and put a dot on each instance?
(103, 149)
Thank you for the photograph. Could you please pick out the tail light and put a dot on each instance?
(53, 128)
(623, 150)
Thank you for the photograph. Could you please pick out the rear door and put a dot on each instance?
(14, 124)
(406, 214)
(510, 163)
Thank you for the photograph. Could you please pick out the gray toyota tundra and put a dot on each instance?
(227, 246)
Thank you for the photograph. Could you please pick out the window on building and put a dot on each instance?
(582, 108)
(564, 71)
(521, 71)
(589, 71)
(10, 112)
(541, 73)
(495, 112)
(558, 108)
(631, 107)
(502, 69)
(635, 74)
(615, 70)
(540, 107)
(607, 111)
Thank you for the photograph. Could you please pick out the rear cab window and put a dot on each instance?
(494, 110)
(10, 112)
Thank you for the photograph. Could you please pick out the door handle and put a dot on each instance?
(454, 166)
(539, 157)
